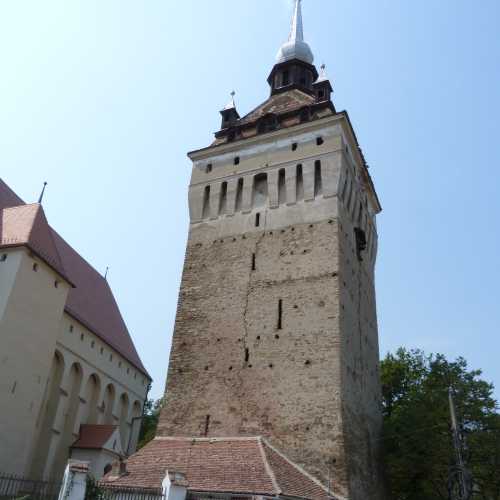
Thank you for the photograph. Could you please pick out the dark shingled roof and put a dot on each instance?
(91, 302)
(93, 437)
(220, 465)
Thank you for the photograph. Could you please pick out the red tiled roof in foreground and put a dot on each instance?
(91, 302)
(94, 437)
(220, 465)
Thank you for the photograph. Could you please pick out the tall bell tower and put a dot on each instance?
(276, 328)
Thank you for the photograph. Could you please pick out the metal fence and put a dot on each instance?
(107, 492)
(15, 487)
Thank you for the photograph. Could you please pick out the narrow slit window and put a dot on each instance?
(223, 199)
(318, 185)
(253, 262)
(300, 183)
(239, 195)
(206, 202)
(280, 314)
(207, 425)
(257, 220)
(247, 355)
(282, 187)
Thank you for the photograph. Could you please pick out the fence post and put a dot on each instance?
(74, 483)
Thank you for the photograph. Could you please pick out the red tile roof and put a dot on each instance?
(222, 465)
(94, 436)
(91, 302)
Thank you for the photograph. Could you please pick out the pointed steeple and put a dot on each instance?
(296, 47)
(229, 114)
(297, 30)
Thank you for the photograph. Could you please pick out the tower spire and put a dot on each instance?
(297, 30)
(295, 47)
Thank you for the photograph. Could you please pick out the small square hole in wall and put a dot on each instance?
(319, 141)
(35, 267)
(208, 168)
(3, 258)
(237, 160)
(82, 337)
(294, 146)
(56, 284)
(71, 328)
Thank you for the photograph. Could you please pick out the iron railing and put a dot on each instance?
(16, 487)
(108, 492)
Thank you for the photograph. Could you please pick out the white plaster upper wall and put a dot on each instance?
(8, 272)
(28, 332)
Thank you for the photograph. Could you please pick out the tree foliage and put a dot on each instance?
(152, 410)
(417, 439)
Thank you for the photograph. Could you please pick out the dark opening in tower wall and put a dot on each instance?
(318, 184)
(207, 425)
(300, 183)
(239, 195)
(253, 262)
(280, 314)
(206, 202)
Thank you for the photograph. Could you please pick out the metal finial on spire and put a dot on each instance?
(297, 30)
(322, 74)
(295, 47)
(231, 104)
(106, 273)
(42, 193)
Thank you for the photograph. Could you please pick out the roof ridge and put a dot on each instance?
(298, 467)
(41, 212)
(268, 467)
(206, 439)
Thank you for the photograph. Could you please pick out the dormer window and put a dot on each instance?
(286, 78)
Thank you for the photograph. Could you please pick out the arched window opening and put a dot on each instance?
(282, 186)
(206, 203)
(223, 199)
(239, 195)
(300, 183)
(318, 184)
(260, 190)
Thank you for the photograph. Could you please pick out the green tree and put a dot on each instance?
(417, 439)
(152, 410)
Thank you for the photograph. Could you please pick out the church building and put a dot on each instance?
(70, 375)
(276, 339)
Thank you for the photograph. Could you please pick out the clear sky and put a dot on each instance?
(103, 98)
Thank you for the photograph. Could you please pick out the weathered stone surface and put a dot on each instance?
(309, 380)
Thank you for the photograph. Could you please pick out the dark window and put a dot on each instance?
(360, 237)
(35, 267)
(286, 77)
(239, 195)
(305, 115)
(294, 146)
(208, 168)
(257, 220)
(319, 141)
(108, 469)
(3, 258)
(56, 284)
(247, 355)
(253, 262)
(280, 314)
(207, 425)
(237, 160)
(318, 187)
(321, 94)
(231, 136)
(206, 203)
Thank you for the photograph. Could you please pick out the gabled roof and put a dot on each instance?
(98, 437)
(27, 225)
(279, 104)
(220, 465)
(91, 302)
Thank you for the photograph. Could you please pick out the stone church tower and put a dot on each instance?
(276, 329)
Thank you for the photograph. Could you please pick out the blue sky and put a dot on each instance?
(104, 98)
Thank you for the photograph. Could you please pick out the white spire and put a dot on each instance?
(322, 74)
(297, 30)
(231, 104)
(295, 47)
